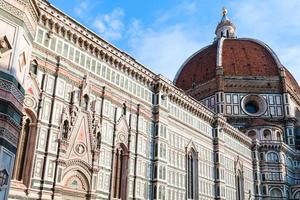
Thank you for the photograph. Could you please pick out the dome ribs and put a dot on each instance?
(243, 60)
(199, 69)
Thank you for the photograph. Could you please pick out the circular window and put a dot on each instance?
(251, 107)
(254, 105)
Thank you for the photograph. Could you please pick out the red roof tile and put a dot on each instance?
(240, 57)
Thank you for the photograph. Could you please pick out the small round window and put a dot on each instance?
(251, 107)
(254, 105)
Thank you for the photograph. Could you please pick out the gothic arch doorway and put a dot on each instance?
(120, 172)
(76, 186)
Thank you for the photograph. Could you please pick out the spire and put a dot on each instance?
(225, 27)
(224, 13)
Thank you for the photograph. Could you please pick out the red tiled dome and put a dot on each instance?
(238, 57)
(292, 83)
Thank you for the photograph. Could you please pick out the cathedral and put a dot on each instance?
(81, 119)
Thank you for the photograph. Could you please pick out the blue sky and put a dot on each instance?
(162, 34)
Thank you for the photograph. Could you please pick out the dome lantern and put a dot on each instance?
(225, 28)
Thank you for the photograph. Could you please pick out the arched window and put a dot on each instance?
(272, 157)
(124, 109)
(278, 135)
(33, 67)
(98, 140)
(267, 135)
(297, 195)
(120, 173)
(275, 194)
(154, 192)
(86, 100)
(65, 130)
(239, 185)
(252, 134)
(22, 149)
(192, 174)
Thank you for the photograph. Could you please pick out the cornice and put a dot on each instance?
(187, 102)
(66, 27)
(235, 133)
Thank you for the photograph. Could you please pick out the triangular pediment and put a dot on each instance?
(122, 125)
(191, 145)
(80, 140)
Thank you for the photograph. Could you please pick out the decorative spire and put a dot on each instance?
(225, 28)
(224, 11)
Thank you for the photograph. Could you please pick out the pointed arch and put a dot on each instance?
(120, 171)
(98, 140)
(239, 185)
(76, 180)
(86, 100)
(65, 130)
(26, 147)
(239, 179)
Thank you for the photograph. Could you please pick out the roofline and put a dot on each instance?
(89, 30)
(186, 61)
(274, 55)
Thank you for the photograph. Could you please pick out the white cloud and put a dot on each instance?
(165, 44)
(164, 51)
(110, 25)
(291, 59)
(275, 22)
(82, 7)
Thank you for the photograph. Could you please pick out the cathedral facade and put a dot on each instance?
(90, 122)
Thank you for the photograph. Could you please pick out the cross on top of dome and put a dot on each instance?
(224, 11)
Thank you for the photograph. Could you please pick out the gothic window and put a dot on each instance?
(154, 192)
(65, 129)
(124, 109)
(239, 185)
(98, 140)
(33, 67)
(267, 134)
(86, 101)
(120, 173)
(22, 149)
(192, 174)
